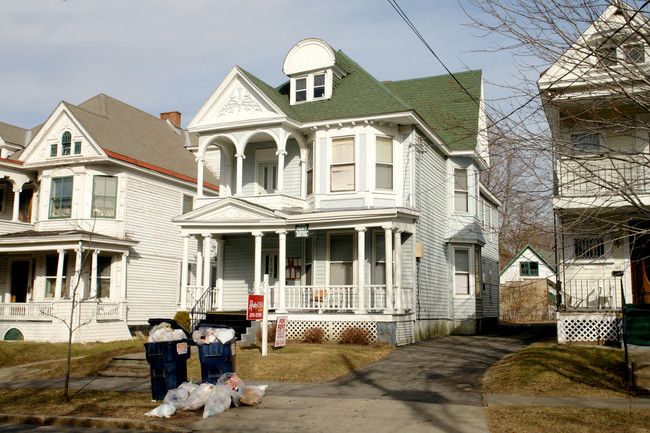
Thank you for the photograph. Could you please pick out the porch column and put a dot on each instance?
(199, 262)
(125, 255)
(77, 275)
(240, 167)
(257, 274)
(361, 269)
(186, 249)
(397, 264)
(388, 233)
(282, 271)
(59, 274)
(199, 176)
(17, 190)
(280, 185)
(220, 249)
(93, 275)
(207, 253)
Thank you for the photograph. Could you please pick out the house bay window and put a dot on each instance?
(341, 252)
(461, 271)
(104, 197)
(342, 168)
(61, 197)
(528, 269)
(384, 164)
(461, 191)
(51, 265)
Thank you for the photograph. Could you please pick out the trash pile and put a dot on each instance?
(164, 332)
(214, 399)
(209, 335)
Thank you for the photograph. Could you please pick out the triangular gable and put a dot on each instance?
(236, 100)
(521, 253)
(579, 60)
(229, 210)
(61, 120)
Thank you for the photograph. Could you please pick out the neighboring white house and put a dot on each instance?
(86, 201)
(528, 264)
(595, 97)
(360, 199)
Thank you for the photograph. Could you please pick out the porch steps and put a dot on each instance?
(641, 367)
(130, 365)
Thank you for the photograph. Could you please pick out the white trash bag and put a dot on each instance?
(163, 411)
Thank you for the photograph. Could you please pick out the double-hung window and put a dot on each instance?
(529, 269)
(104, 197)
(461, 271)
(301, 89)
(384, 165)
(66, 143)
(61, 197)
(587, 144)
(103, 277)
(341, 254)
(461, 191)
(51, 268)
(310, 168)
(342, 168)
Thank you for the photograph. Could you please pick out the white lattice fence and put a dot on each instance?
(296, 328)
(405, 333)
(588, 328)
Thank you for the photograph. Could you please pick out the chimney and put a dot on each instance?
(173, 116)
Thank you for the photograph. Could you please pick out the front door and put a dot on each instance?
(19, 281)
(640, 267)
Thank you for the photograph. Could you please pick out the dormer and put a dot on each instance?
(311, 66)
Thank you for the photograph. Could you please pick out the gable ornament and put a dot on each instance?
(239, 101)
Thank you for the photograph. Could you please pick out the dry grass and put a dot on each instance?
(554, 370)
(518, 419)
(95, 355)
(87, 403)
(298, 362)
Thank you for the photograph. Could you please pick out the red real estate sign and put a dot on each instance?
(255, 308)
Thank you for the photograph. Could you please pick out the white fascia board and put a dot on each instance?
(242, 124)
(68, 163)
(485, 191)
(58, 112)
(482, 165)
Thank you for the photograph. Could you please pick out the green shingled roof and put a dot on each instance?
(441, 103)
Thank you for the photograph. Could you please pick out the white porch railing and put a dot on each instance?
(109, 311)
(194, 293)
(41, 311)
(342, 299)
(608, 178)
(592, 294)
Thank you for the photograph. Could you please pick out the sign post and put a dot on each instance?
(265, 317)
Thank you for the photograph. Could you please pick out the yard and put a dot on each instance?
(562, 371)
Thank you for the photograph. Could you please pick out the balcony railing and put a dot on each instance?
(609, 179)
(109, 311)
(592, 294)
(35, 311)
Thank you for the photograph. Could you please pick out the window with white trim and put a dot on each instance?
(103, 277)
(587, 144)
(312, 87)
(310, 168)
(477, 271)
(461, 271)
(104, 197)
(341, 258)
(342, 167)
(301, 89)
(66, 143)
(461, 190)
(589, 248)
(51, 266)
(61, 197)
(379, 268)
(384, 163)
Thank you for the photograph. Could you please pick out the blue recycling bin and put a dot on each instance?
(216, 358)
(167, 361)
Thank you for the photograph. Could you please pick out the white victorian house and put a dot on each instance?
(359, 199)
(86, 203)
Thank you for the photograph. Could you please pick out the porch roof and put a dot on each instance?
(234, 215)
(33, 240)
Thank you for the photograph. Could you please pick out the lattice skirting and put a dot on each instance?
(604, 327)
(296, 328)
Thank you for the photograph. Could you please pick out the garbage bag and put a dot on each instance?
(198, 397)
(236, 385)
(252, 395)
(177, 397)
(224, 335)
(214, 406)
(165, 410)
(189, 386)
(223, 393)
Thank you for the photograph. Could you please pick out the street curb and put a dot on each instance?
(75, 421)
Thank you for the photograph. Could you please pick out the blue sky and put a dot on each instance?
(164, 55)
